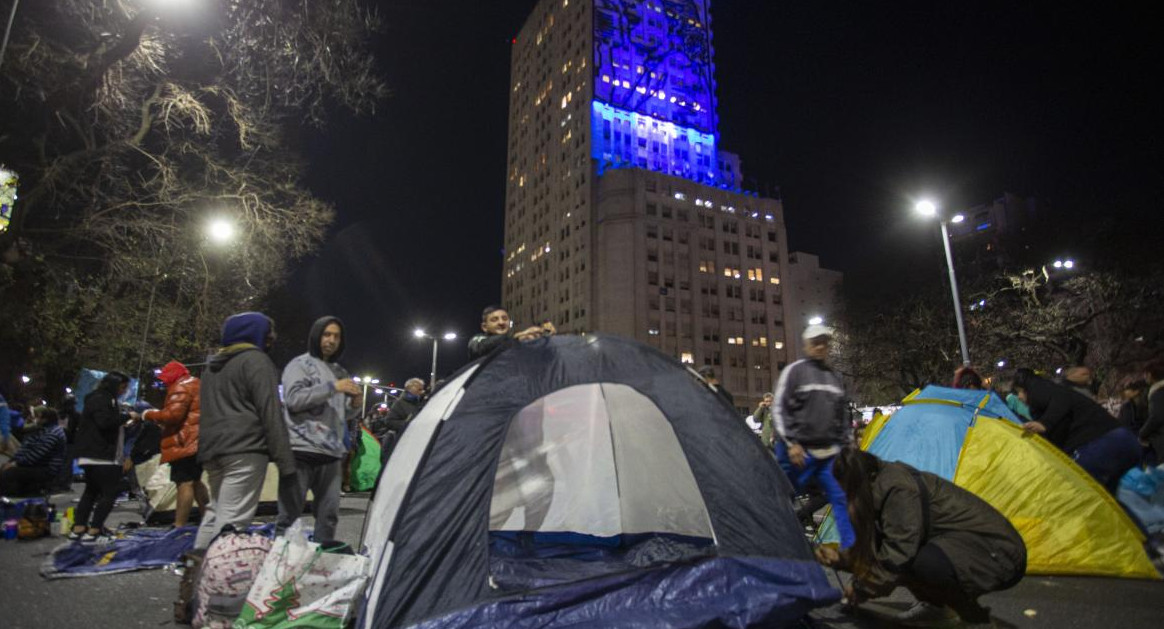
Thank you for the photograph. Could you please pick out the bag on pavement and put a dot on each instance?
(302, 584)
(34, 524)
(232, 561)
(185, 606)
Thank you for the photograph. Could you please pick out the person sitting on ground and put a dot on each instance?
(178, 419)
(919, 531)
(100, 438)
(391, 427)
(497, 330)
(40, 458)
(1079, 426)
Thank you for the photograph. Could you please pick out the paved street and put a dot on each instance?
(144, 599)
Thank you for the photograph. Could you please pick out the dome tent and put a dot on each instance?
(584, 480)
(1071, 525)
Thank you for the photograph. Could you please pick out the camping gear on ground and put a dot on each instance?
(303, 584)
(1071, 525)
(34, 522)
(584, 481)
(184, 607)
(365, 462)
(1142, 492)
(130, 549)
(161, 495)
(229, 569)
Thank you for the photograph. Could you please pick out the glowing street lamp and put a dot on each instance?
(220, 231)
(930, 210)
(421, 334)
(366, 381)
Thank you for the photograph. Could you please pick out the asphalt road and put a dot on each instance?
(144, 599)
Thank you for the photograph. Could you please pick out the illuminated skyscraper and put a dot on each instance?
(623, 214)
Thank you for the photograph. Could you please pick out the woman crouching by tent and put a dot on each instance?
(917, 530)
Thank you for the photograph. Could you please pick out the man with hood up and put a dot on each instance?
(178, 419)
(318, 397)
(241, 427)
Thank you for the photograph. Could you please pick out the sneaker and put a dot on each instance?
(74, 536)
(927, 615)
(104, 537)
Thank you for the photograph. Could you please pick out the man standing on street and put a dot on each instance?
(178, 419)
(318, 397)
(390, 427)
(812, 422)
(241, 427)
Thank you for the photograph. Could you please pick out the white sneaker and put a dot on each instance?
(927, 615)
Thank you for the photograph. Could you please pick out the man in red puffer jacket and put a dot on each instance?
(178, 419)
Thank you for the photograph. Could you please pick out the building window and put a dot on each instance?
(687, 358)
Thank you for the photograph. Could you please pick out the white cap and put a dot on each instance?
(814, 331)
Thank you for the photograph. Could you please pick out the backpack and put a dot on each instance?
(229, 569)
(34, 524)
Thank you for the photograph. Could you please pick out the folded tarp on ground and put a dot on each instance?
(136, 549)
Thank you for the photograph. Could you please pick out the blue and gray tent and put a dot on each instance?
(584, 481)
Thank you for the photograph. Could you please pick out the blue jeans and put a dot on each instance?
(820, 470)
(1110, 456)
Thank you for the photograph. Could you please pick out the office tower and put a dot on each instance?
(623, 213)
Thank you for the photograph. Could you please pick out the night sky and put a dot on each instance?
(851, 110)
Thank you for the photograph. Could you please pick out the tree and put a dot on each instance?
(131, 126)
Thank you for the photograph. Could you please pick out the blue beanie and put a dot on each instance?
(246, 327)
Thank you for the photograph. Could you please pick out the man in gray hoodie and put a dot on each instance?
(318, 397)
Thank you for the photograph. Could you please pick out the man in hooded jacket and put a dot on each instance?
(318, 398)
(241, 426)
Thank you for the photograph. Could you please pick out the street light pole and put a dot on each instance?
(421, 334)
(926, 208)
(954, 293)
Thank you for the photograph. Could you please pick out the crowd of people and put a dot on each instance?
(897, 526)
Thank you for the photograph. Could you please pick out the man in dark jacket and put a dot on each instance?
(39, 459)
(812, 422)
(241, 427)
(1080, 427)
(497, 330)
(390, 428)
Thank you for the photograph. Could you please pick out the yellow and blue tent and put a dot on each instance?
(1071, 525)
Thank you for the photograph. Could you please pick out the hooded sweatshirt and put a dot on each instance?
(314, 411)
(240, 397)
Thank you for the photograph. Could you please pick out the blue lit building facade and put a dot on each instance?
(623, 212)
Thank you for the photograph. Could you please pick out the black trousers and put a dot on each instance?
(25, 481)
(101, 487)
(932, 580)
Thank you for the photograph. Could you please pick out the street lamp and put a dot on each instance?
(220, 231)
(816, 321)
(928, 209)
(366, 381)
(420, 334)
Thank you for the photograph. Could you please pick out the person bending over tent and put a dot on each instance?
(917, 530)
(1080, 427)
(497, 330)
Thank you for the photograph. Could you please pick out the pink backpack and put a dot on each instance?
(232, 562)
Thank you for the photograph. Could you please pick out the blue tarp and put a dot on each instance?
(137, 549)
(87, 381)
(714, 592)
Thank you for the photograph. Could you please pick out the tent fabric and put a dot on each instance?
(1070, 524)
(430, 527)
(731, 592)
(161, 493)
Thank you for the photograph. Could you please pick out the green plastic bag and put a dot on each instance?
(366, 464)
